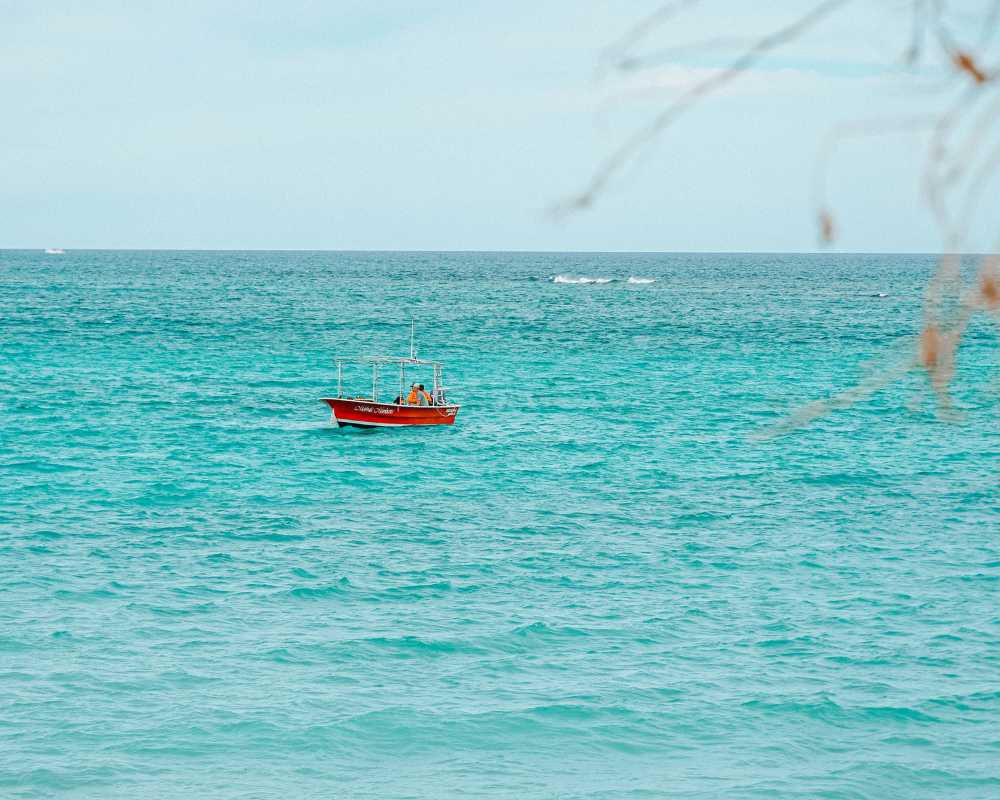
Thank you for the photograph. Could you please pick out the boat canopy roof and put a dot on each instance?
(401, 360)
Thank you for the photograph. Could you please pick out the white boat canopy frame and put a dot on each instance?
(377, 363)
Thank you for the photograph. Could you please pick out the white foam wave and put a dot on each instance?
(576, 279)
(635, 279)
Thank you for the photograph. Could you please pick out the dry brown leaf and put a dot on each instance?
(967, 64)
(930, 346)
(827, 231)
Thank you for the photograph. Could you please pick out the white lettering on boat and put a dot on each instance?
(373, 410)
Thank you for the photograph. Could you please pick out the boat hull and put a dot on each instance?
(365, 414)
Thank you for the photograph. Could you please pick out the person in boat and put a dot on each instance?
(413, 398)
(417, 396)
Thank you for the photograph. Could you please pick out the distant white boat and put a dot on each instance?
(55, 251)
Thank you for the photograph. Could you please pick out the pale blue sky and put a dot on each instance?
(431, 125)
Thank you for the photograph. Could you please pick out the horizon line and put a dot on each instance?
(470, 250)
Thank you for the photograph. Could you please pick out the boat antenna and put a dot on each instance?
(412, 325)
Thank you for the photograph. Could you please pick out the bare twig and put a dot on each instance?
(919, 26)
(962, 156)
(616, 51)
(690, 98)
(667, 54)
(862, 391)
(835, 138)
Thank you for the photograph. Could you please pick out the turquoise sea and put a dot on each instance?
(598, 584)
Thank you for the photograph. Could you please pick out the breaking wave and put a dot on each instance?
(580, 279)
(584, 279)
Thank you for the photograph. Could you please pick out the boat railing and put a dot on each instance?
(377, 362)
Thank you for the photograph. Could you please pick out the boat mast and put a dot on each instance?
(412, 325)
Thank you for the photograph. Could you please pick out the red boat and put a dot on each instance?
(370, 412)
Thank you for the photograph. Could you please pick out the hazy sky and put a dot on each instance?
(384, 124)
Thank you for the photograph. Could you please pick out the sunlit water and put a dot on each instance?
(598, 584)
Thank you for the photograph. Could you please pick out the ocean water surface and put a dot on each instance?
(597, 584)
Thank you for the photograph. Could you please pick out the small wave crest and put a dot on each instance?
(578, 279)
(587, 279)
